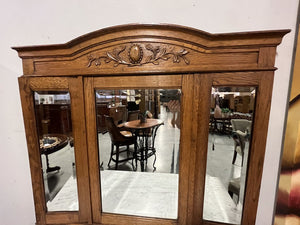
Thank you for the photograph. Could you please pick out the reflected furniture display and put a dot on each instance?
(118, 139)
(241, 129)
(150, 100)
(145, 132)
(53, 118)
(149, 57)
(221, 125)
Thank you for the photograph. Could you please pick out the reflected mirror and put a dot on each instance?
(54, 126)
(232, 111)
(138, 141)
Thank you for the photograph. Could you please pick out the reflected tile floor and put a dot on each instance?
(140, 194)
(219, 169)
(151, 195)
(218, 206)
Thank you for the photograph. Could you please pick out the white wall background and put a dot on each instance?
(35, 22)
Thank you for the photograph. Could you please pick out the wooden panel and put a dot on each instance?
(33, 150)
(61, 217)
(47, 83)
(213, 223)
(185, 146)
(92, 137)
(235, 79)
(161, 49)
(171, 58)
(125, 220)
(202, 93)
(28, 66)
(257, 147)
(267, 57)
(80, 147)
(170, 81)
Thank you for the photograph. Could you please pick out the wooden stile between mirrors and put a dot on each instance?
(69, 91)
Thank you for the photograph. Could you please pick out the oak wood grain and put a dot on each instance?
(80, 148)
(92, 137)
(202, 84)
(177, 50)
(257, 147)
(149, 56)
(33, 150)
(62, 217)
(133, 82)
(185, 146)
(111, 219)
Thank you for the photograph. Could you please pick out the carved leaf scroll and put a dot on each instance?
(135, 55)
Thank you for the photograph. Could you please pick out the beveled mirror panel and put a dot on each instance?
(138, 141)
(231, 116)
(54, 127)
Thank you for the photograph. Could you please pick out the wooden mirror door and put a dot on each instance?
(166, 186)
(212, 171)
(54, 121)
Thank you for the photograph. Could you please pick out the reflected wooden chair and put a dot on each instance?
(120, 137)
(241, 129)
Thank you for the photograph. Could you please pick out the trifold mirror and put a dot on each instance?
(148, 124)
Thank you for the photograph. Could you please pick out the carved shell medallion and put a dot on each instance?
(135, 54)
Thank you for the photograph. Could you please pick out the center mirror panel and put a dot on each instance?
(138, 142)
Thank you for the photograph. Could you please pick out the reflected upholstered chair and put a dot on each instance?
(241, 129)
(119, 138)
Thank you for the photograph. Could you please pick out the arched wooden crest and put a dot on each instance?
(142, 49)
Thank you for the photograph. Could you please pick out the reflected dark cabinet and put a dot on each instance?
(53, 118)
(231, 71)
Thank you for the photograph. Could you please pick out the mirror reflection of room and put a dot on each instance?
(54, 127)
(138, 139)
(232, 111)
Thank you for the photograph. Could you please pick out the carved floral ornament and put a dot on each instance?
(140, 54)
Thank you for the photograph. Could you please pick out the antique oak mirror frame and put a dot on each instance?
(149, 56)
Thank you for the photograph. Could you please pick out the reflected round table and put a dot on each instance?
(146, 133)
(51, 143)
